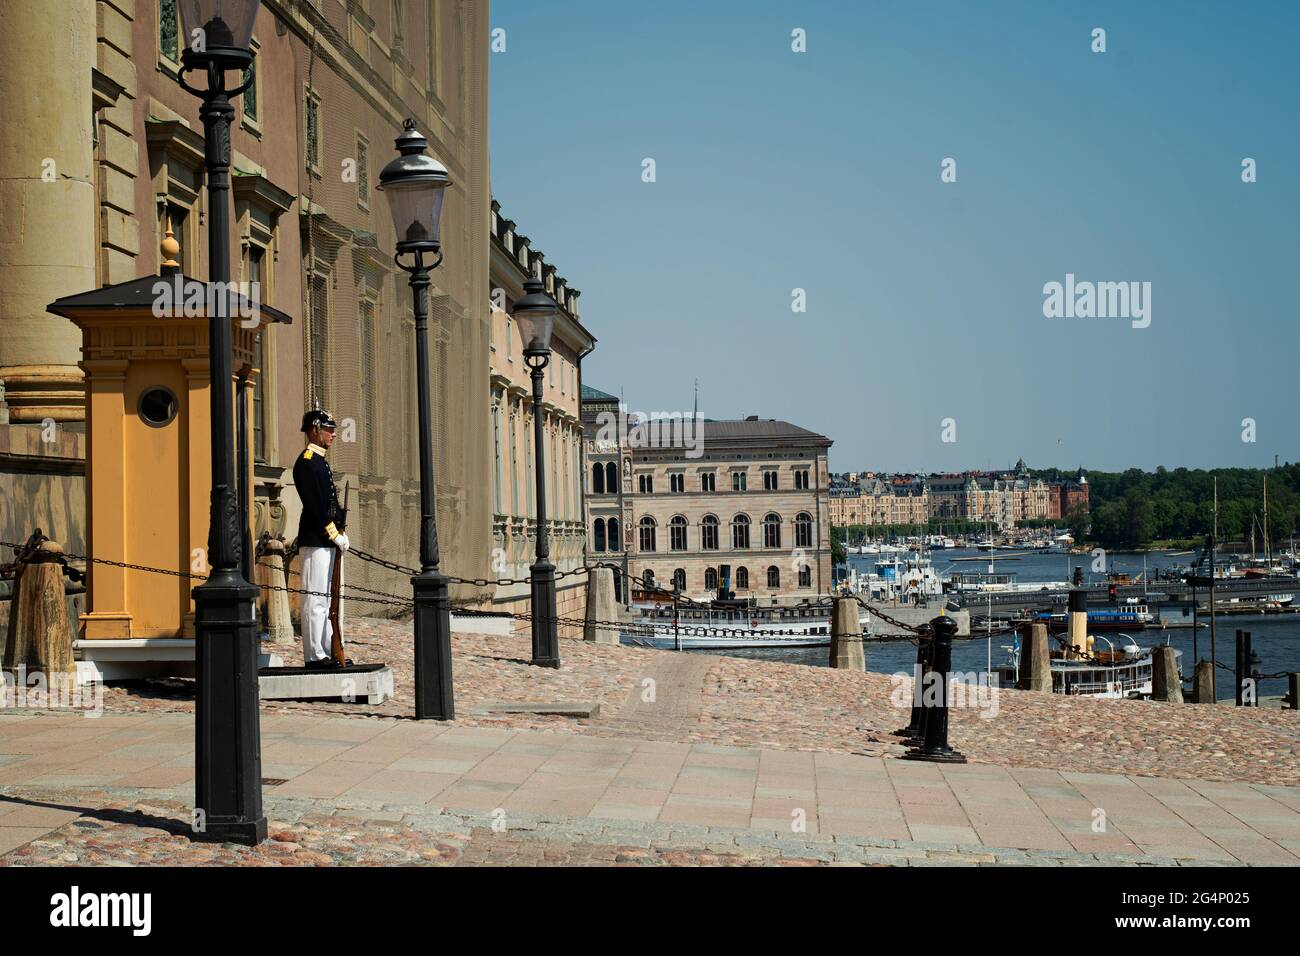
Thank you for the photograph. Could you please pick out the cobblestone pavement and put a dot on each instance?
(390, 768)
(125, 827)
(788, 706)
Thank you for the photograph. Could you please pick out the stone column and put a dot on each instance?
(1201, 684)
(1165, 683)
(1035, 661)
(47, 201)
(846, 636)
(278, 624)
(601, 606)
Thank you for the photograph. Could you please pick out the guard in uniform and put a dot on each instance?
(320, 541)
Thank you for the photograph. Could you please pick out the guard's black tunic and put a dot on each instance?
(320, 502)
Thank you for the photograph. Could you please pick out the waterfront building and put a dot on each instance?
(1000, 499)
(755, 499)
(514, 485)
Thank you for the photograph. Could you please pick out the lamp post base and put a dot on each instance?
(546, 633)
(433, 692)
(227, 732)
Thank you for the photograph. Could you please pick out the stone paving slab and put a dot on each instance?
(355, 763)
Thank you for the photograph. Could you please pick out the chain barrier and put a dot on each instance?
(126, 565)
(643, 628)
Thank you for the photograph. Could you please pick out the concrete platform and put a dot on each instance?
(138, 658)
(361, 683)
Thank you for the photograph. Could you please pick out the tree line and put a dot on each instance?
(1134, 508)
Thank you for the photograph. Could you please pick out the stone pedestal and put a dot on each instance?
(846, 636)
(278, 625)
(1035, 660)
(601, 606)
(1202, 692)
(367, 683)
(1165, 682)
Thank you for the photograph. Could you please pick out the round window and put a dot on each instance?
(158, 406)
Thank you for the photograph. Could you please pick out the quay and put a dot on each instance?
(729, 762)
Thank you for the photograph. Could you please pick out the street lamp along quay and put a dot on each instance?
(414, 184)
(535, 314)
(227, 750)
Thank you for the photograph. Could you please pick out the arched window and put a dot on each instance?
(611, 478)
(803, 530)
(615, 539)
(679, 579)
(711, 578)
(740, 531)
(598, 479)
(647, 533)
(677, 533)
(742, 578)
(773, 576)
(598, 535)
(772, 531)
(648, 578)
(805, 577)
(709, 533)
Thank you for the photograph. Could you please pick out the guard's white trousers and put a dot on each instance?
(317, 634)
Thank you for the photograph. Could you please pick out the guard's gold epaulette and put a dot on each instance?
(307, 453)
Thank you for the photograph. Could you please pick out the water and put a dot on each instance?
(1276, 639)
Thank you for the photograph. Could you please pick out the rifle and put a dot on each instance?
(336, 583)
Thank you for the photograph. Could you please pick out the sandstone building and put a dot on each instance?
(755, 500)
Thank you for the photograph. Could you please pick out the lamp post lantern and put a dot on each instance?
(535, 313)
(227, 751)
(414, 184)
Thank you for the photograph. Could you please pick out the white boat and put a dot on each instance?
(710, 629)
(1119, 672)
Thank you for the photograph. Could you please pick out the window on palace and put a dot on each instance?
(805, 577)
(598, 535)
(772, 531)
(677, 483)
(677, 533)
(708, 481)
(709, 533)
(737, 481)
(647, 529)
(740, 532)
(646, 484)
(769, 481)
(615, 542)
(742, 578)
(597, 479)
(711, 578)
(773, 576)
(803, 530)
(801, 479)
(611, 478)
(679, 579)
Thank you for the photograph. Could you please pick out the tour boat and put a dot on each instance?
(719, 628)
(1118, 672)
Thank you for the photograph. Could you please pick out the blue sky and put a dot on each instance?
(821, 171)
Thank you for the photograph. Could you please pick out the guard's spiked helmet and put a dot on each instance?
(319, 417)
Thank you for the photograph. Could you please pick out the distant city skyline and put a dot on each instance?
(778, 171)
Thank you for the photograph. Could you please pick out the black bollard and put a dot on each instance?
(1256, 673)
(924, 644)
(935, 747)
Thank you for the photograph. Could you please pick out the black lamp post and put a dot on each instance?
(415, 184)
(535, 313)
(227, 750)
